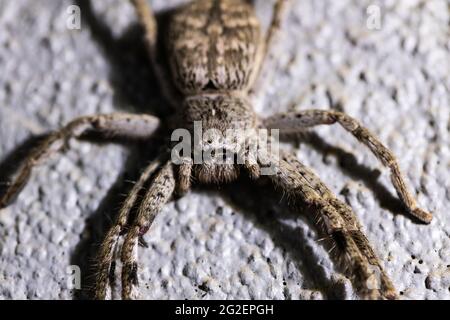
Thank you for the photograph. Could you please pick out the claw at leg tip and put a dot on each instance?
(392, 295)
(423, 215)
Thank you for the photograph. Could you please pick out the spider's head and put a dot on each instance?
(221, 128)
(216, 155)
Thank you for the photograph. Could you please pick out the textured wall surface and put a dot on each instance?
(238, 241)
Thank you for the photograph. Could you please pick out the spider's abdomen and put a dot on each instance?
(214, 44)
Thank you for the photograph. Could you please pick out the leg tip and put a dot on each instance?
(391, 295)
(8, 198)
(3, 205)
(254, 171)
(379, 294)
(422, 215)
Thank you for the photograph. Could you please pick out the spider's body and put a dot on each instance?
(215, 51)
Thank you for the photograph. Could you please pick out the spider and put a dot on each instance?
(215, 50)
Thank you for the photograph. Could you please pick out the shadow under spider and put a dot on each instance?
(266, 213)
(131, 74)
(99, 222)
(134, 85)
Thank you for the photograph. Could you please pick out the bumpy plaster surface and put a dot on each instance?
(239, 241)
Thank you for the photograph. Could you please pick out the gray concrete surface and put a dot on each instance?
(240, 241)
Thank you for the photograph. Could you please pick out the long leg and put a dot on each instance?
(148, 21)
(275, 24)
(338, 222)
(279, 9)
(314, 182)
(106, 265)
(296, 121)
(157, 196)
(121, 124)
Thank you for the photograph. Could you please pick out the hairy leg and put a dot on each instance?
(109, 246)
(184, 176)
(347, 215)
(115, 124)
(157, 196)
(338, 222)
(297, 121)
(148, 21)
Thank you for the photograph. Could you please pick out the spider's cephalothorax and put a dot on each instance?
(221, 127)
(215, 50)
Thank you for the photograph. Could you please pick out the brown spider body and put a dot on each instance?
(214, 46)
(215, 51)
(218, 113)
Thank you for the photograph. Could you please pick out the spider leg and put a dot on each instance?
(279, 9)
(110, 245)
(184, 176)
(349, 218)
(345, 233)
(118, 124)
(277, 17)
(296, 121)
(157, 196)
(148, 22)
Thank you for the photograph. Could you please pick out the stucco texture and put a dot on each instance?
(238, 241)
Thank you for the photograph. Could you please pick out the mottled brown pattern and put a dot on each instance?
(213, 45)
